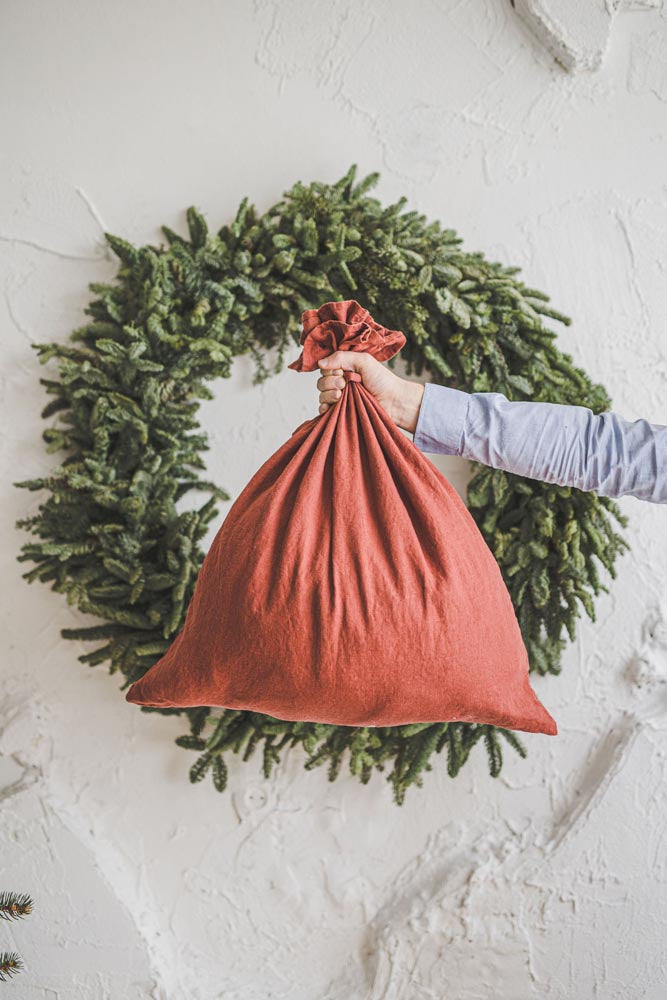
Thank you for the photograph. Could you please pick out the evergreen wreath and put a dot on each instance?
(111, 535)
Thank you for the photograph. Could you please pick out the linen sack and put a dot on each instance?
(348, 583)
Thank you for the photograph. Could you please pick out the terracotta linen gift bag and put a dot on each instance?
(349, 583)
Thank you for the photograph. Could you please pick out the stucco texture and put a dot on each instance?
(550, 881)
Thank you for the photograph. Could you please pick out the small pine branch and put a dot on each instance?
(14, 906)
(10, 965)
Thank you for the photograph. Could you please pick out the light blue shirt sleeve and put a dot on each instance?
(554, 442)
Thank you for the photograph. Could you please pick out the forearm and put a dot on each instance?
(553, 442)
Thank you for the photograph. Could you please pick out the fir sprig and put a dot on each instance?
(112, 534)
(10, 965)
(13, 906)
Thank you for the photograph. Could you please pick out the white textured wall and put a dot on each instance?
(548, 882)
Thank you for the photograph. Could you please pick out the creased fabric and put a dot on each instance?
(349, 583)
(343, 326)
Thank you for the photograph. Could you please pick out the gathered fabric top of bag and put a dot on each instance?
(344, 326)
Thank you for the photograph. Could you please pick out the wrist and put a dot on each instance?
(408, 405)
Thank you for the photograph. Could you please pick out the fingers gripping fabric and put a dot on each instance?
(349, 583)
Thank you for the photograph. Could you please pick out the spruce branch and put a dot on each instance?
(13, 906)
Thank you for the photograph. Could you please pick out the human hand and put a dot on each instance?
(398, 396)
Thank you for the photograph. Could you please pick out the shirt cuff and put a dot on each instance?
(441, 420)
